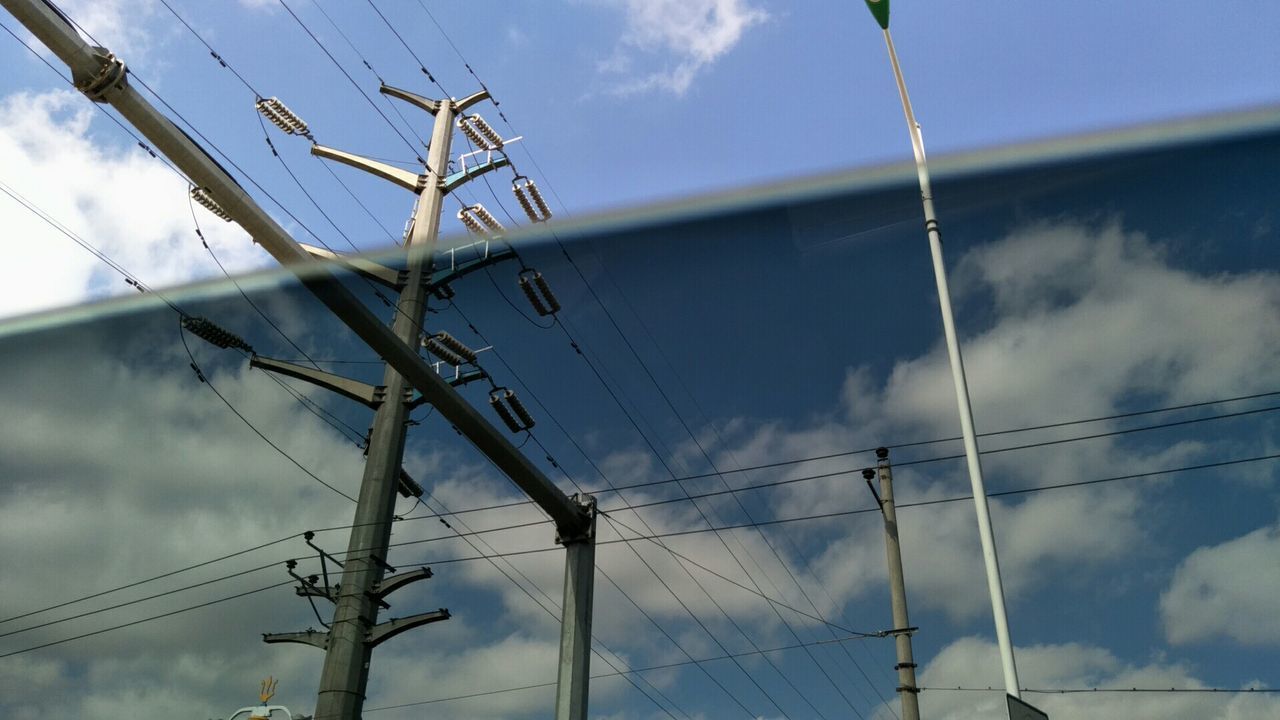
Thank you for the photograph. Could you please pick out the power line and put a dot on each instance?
(663, 666)
(1069, 691)
(421, 65)
(552, 613)
(491, 556)
(350, 79)
(699, 622)
(204, 379)
(145, 620)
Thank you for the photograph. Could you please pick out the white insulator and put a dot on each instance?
(486, 130)
(471, 223)
(456, 345)
(486, 217)
(536, 194)
(530, 200)
(437, 348)
(529, 292)
(523, 198)
(202, 196)
(496, 403)
(519, 409)
(282, 117)
(474, 127)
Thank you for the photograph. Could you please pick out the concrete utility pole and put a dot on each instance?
(906, 667)
(102, 77)
(345, 676)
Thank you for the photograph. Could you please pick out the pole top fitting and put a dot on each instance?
(868, 473)
(882, 453)
(585, 532)
(110, 76)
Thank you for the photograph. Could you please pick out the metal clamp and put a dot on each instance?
(111, 75)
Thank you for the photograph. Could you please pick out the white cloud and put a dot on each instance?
(147, 228)
(1226, 590)
(975, 663)
(1085, 318)
(687, 35)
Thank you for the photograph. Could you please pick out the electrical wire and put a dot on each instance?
(101, 108)
(350, 79)
(204, 379)
(1067, 691)
(491, 556)
(549, 610)
(421, 66)
(144, 620)
(600, 676)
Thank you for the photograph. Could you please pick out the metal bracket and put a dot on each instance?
(459, 378)
(408, 487)
(433, 106)
(898, 631)
(110, 76)
(587, 506)
(405, 179)
(314, 638)
(384, 631)
(366, 394)
(309, 589)
(393, 279)
(458, 269)
(395, 582)
(453, 181)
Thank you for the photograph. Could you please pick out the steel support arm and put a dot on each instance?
(383, 632)
(395, 582)
(87, 63)
(314, 638)
(372, 270)
(363, 393)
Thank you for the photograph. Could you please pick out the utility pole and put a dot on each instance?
(906, 667)
(995, 586)
(346, 663)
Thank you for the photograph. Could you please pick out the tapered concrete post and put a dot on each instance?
(575, 620)
(906, 666)
(345, 676)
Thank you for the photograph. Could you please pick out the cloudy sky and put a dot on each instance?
(798, 326)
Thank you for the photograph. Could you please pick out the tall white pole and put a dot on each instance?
(994, 584)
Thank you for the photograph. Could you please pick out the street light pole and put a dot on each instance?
(880, 9)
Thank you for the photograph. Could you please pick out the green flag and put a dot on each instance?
(880, 8)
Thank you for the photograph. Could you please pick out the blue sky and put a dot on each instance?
(795, 328)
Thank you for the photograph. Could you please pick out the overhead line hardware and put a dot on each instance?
(282, 117)
(203, 196)
(477, 219)
(448, 348)
(530, 199)
(508, 407)
(535, 287)
(209, 332)
(480, 132)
